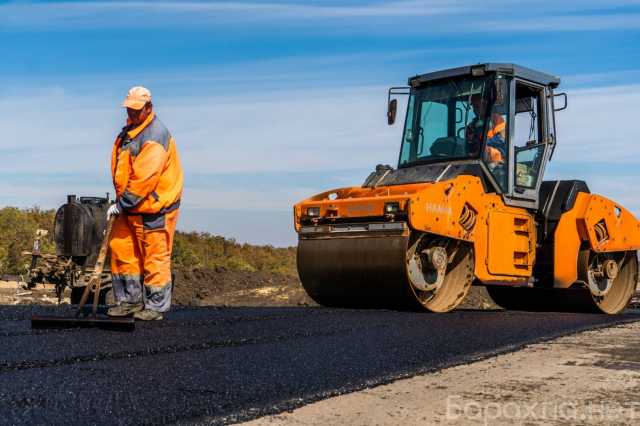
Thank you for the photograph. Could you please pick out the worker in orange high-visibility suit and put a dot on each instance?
(148, 179)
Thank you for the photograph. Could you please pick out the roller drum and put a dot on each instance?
(577, 298)
(355, 272)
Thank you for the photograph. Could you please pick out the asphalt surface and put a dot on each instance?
(223, 365)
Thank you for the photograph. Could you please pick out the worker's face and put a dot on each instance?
(137, 116)
(478, 106)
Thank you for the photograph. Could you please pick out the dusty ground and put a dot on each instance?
(588, 378)
(192, 288)
(16, 293)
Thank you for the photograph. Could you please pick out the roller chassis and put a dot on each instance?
(376, 256)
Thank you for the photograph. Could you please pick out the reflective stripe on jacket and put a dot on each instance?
(496, 145)
(145, 167)
(497, 129)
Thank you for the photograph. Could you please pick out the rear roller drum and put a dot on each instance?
(440, 272)
(609, 283)
(610, 277)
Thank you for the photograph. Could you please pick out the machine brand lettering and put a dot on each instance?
(438, 208)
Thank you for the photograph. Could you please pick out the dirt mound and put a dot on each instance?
(221, 287)
(478, 298)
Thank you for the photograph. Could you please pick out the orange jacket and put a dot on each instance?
(496, 136)
(499, 126)
(146, 169)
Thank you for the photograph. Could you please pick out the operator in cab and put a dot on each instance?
(496, 149)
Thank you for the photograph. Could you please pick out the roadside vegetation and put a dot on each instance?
(191, 249)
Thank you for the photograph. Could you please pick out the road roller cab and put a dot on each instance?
(467, 205)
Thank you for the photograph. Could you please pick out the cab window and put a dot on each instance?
(528, 143)
(439, 115)
(433, 126)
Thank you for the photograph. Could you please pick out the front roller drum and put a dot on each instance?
(354, 272)
(390, 271)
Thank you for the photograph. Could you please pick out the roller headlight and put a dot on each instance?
(391, 208)
(313, 212)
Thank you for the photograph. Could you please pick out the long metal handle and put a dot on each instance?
(95, 281)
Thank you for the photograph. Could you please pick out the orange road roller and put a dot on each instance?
(467, 205)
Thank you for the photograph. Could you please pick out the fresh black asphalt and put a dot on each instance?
(223, 365)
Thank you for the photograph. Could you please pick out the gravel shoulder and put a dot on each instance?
(588, 378)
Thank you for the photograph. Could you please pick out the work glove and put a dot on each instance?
(113, 211)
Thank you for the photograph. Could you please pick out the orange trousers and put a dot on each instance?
(141, 259)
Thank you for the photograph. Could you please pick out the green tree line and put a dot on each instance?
(190, 249)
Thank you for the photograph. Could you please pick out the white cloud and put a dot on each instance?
(298, 131)
(562, 23)
(593, 80)
(220, 198)
(607, 180)
(56, 132)
(90, 13)
(306, 130)
(599, 125)
(433, 15)
(322, 131)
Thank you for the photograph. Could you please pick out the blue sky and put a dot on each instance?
(273, 101)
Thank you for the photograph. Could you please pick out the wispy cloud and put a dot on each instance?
(599, 79)
(92, 12)
(262, 153)
(599, 126)
(425, 15)
(293, 131)
(578, 22)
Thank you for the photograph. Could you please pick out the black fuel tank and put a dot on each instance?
(79, 227)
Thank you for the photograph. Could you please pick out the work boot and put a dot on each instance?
(124, 309)
(148, 315)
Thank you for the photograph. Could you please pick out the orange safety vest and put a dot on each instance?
(145, 167)
(499, 127)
